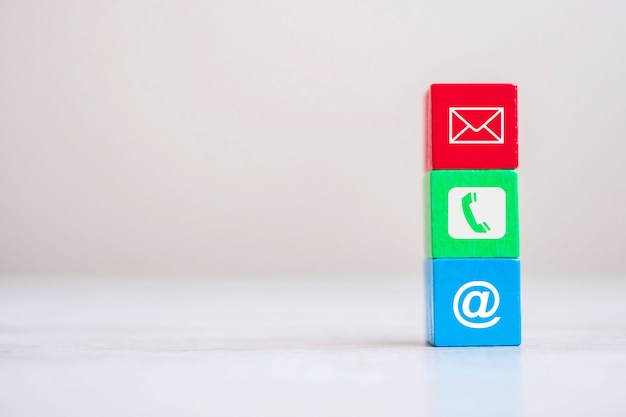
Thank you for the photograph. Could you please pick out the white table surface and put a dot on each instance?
(299, 346)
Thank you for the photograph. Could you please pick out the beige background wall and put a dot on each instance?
(231, 137)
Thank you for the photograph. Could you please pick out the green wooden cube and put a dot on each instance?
(471, 214)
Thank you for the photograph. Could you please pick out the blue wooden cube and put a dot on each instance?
(473, 302)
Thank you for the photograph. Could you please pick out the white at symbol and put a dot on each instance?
(484, 289)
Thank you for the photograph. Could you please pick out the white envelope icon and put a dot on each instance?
(476, 125)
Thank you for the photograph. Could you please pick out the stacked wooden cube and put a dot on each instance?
(472, 228)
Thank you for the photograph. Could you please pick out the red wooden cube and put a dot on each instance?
(472, 126)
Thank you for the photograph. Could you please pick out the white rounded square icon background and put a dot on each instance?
(476, 213)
